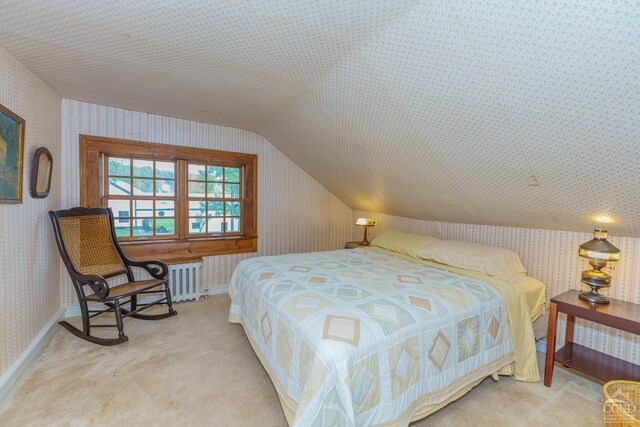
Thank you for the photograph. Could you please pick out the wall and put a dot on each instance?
(549, 256)
(29, 297)
(295, 213)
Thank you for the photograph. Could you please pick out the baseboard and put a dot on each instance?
(218, 290)
(10, 378)
(541, 345)
(73, 311)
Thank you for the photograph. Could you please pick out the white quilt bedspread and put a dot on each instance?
(358, 338)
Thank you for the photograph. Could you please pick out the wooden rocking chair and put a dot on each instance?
(88, 245)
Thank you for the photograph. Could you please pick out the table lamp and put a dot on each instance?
(366, 223)
(599, 252)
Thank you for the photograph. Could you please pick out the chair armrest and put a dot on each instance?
(97, 283)
(157, 269)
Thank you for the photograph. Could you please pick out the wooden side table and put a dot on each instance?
(618, 314)
(352, 245)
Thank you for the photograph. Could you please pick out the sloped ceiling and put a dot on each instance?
(515, 113)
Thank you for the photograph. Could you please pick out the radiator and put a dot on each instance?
(184, 280)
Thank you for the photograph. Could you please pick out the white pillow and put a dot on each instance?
(490, 260)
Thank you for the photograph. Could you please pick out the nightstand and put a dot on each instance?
(352, 245)
(617, 314)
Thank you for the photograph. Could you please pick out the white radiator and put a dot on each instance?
(184, 280)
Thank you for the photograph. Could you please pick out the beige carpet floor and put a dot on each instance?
(196, 369)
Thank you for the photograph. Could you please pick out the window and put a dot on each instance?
(172, 202)
(141, 193)
(215, 204)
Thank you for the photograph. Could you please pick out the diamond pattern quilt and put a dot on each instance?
(358, 337)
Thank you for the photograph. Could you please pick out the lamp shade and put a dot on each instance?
(599, 248)
(366, 222)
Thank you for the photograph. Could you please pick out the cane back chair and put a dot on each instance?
(88, 246)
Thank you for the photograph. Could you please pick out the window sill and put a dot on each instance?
(174, 250)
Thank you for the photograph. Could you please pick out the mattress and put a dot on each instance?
(370, 337)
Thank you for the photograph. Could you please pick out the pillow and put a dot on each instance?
(490, 260)
(404, 243)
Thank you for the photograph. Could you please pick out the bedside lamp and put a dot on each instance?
(599, 252)
(366, 223)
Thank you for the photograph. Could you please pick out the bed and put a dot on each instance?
(368, 336)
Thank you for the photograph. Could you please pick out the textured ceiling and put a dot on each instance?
(514, 113)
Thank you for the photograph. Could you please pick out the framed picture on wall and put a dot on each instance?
(41, 169)
(11, 154)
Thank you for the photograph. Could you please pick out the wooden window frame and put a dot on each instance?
(93, 149)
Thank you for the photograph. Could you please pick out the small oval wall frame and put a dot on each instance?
(41, 169)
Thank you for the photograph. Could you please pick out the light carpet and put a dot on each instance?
(196, 369)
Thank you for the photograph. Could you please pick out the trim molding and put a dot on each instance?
(217, 290)
(72, 311)
(12, 376)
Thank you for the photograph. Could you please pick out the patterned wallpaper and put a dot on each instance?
(28, 256)
(549, 256)
(295, 213)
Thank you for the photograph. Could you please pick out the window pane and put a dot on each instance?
(196, 172)
(165, 208)
(197, 208)
(165, 227)
(231, 175)
(142, 187)
(142, 208)
(165, 187)
(233, 208)
(121, 167)
(119, 187)
(233, 224)
(165, 170)
(216, 209)
(214, 173)
(143, 227)
(197, 226)
(216, 225)
(142, 168)
(120, 208)
(214, 190)
(196, 189)
(123, 229)
(232, 191)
